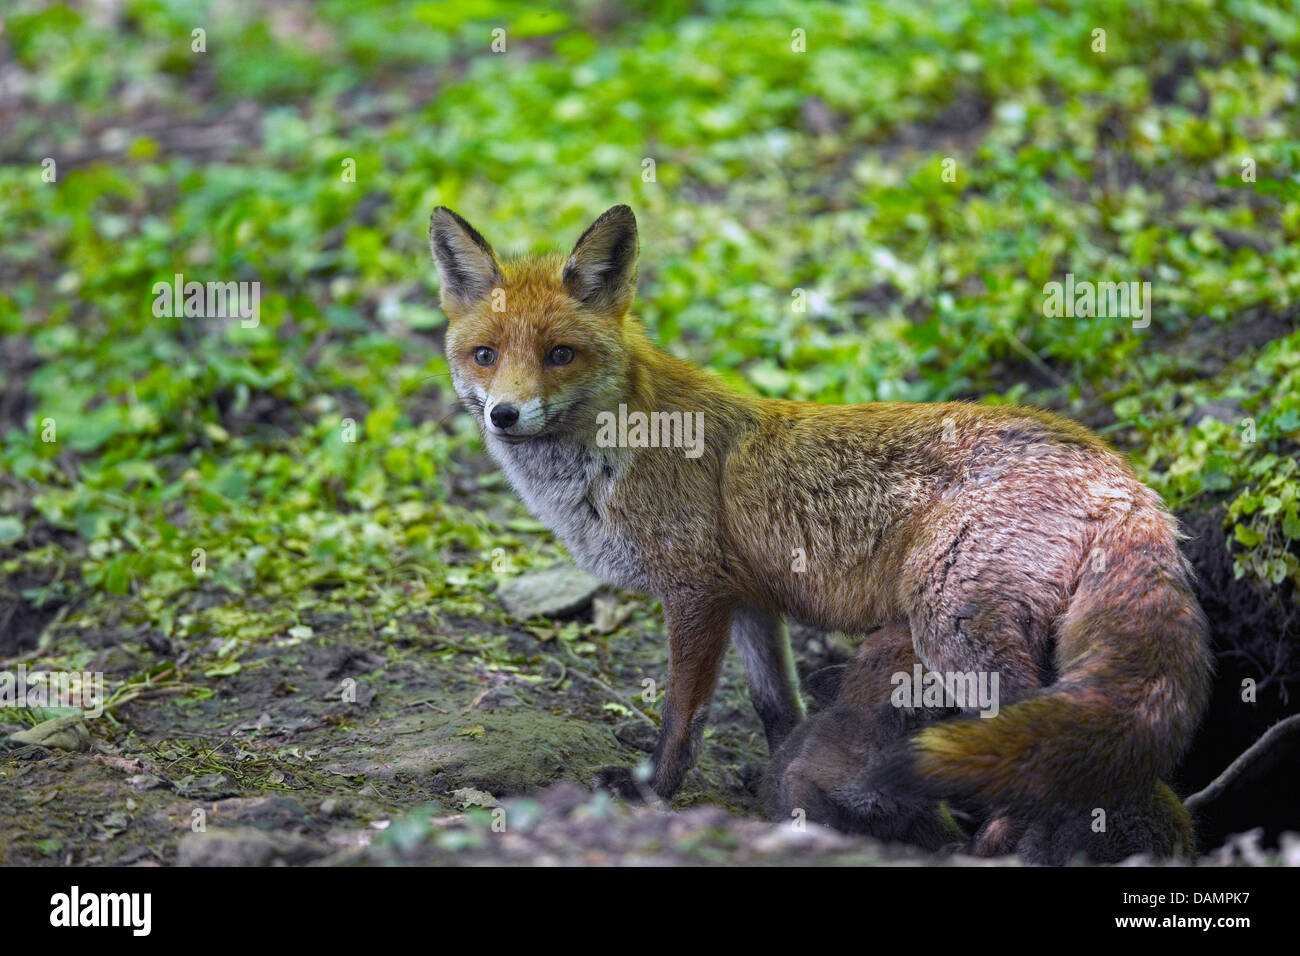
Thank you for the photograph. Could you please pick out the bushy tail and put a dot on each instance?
(1133, 666)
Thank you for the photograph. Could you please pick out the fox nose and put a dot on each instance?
(503, 416)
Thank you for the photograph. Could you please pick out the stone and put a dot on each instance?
(561, 591)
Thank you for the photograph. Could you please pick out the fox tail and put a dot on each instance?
(1133, 665)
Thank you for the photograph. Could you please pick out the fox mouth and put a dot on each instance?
(477, 407)
(555, 427)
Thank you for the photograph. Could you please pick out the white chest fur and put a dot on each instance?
(568, 488)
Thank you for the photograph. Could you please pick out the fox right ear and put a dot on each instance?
(601, 271)
(467, 266)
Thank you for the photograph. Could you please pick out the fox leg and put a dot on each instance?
(764, 646)
(999, 835)
(997, 636)
(697, 639)
(994, 637)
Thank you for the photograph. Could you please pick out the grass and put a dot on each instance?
(216, 485)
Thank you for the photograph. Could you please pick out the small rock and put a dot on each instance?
(62, 733)
(144, 781)
(607, 614)
(245, 847)
(134, 854)
(554, 592)
(496, 697)
(159, 644)
(274, 813)
(210, 786)
(1290, 847)
(469, 797)
(637, 734)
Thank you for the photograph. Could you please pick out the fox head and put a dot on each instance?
(536, 345)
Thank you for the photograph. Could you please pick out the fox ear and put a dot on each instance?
(467, 266)
(601, 271)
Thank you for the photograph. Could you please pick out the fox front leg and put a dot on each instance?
(697, 639)
(764, 646)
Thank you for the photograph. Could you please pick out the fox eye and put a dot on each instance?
(485, 356)
(561, 355)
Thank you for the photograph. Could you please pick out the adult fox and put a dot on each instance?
(1005, 539)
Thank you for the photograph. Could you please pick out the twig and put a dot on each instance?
(1267, 752)
(427, 702)
(596, 681)
(1037, 362)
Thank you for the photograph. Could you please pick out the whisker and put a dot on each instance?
(467, 405)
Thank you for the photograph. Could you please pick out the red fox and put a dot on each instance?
(1005, 541)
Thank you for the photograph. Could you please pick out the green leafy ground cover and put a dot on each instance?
(202, 495)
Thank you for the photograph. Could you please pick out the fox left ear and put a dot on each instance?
(601, 271)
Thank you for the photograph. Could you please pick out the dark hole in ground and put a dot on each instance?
(22, 620)
(1254, 634)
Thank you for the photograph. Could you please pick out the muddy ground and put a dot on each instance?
(337, 749)
(332, 746)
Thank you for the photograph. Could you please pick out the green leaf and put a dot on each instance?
(1247, 535)
(11, 530)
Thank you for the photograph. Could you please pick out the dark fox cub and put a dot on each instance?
(999, 541)
(836, 768)
(823, 767)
